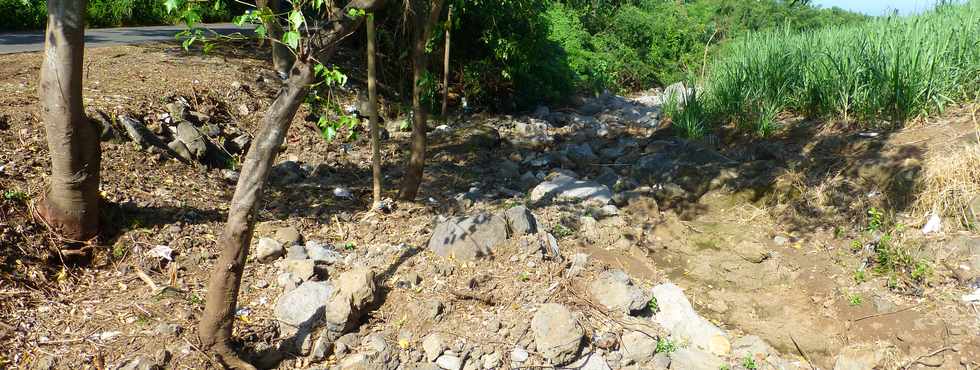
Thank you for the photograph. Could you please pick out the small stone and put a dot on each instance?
(661, 361)
(579, 262)
(432, 309)
(614, 290)
(491, 360)
(493, 325)
(638, 347)
(303, 270)
(859, 356)
(268, 250)
(519, 355)
(321, 253)
(287, 280)
(692, 359)
(468, 238)
(296, 252)
(556, 333)
(780, 240)
(448, 362)
(521, 221)
(167, 329)
(321, 348)
(433, 345)
(288, 236)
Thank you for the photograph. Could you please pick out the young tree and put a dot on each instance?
(282, 57)
(311, 44)
(426, 14)
(445, 63)
(71, 202)
(373, 108)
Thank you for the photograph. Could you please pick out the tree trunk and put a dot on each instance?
(445, 64)
(282, 57)
(222, 297)
(71, 203)
(416, 162)
(373, 103)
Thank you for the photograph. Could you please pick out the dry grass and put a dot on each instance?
(950, 180)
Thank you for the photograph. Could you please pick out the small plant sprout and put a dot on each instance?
(875, 219)
(349, 246)
(666, 346)
(524, 276)
(561, 231)
(749, 363)
(855, 300)
(652, 305)
(860, 276)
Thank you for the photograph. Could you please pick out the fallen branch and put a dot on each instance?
(930, 354)
(146, 279)
(802, 353)
(885, 313)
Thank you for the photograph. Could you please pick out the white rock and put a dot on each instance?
(433, 346)
(679, 318)
(449, 362)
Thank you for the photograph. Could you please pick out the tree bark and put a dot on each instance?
(373, 103)
(222, 297)
(282, 57)
(416, 161)
(445, 63)
(71, 202)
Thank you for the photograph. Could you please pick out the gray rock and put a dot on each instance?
(321, 253)
(679, 318)
(288, 235)
(661, 361)
(239, 144)
(859, 357)
(692, 359)
(541, 112)
(614, 290)
(268, 250)
(608, 178)
(286, 172)
(468, 238)
(304, 305)
(638, 347)
(528, 180)
(287, 281)
(521, 221)
(300, 269)
(568, 188)
(678, 93)
(296, 252)
(195, 142)
(491, 360)
(137, 131)
(579, 262)
(449, 362)
(322, 347)
(141, 363)
(355, 291)
(751, 346)
(167, 329)
(581, 154)
(519, 355)
(509, 169)
(592, 361)
(557, 334)
(181, 150)
(433, 345)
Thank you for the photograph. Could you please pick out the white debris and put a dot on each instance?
(341, 192)
(971, 298)
(933, 225)
(162, 251)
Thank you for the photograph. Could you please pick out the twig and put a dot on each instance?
(933, 353)
(146, 279)
(800, 349)
(471, 296)
(885, 313)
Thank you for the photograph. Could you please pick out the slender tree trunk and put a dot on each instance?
(71, 203)
(373, 103)
(282, 57)
(445, 64)
(416, 162)
(222, 297)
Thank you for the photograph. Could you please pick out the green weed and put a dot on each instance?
(14, 195)
(561, 231)
(652, 305)
(666, 346)
(749, 363)
(855, 300)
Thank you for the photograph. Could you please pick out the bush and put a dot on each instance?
(32, 14)
(22, 14)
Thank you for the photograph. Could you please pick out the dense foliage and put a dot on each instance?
(882, 72)
(542, 50)
(31, 14)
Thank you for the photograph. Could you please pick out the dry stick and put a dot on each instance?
(886, 313)
(933, 353)
(445, 64)
(146, 278)
(800, 349)
(373, 107)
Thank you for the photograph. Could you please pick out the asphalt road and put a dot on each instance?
(19, 42)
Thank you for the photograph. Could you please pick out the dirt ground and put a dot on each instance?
(800, 293)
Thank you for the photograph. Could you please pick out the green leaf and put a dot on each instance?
(296, 19)
(319, 70)
(291, 38)
(260, 31)
(217, 5)
(329, 133)
(188, 42)
(171, 5)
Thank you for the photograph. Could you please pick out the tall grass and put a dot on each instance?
(877, 74)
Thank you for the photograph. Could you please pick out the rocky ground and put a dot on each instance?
(585, 237)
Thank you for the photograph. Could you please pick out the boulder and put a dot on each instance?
(303, 306)
(859, 357)
(592, 361)
(268, 250)
(557, 334)
(355, 291)
(521, 221)
(468, 238)
(286, 172)
(581, 154)
(288, 235)
(568, 188)
(679, 318)
(433, 345)
(614, 290)
(137, 131)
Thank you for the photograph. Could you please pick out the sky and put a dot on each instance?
(879, 7)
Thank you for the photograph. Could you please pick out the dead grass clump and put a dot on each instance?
(950, 180)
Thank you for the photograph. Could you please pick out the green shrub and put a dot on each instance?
(22, 14)
(31, 14)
